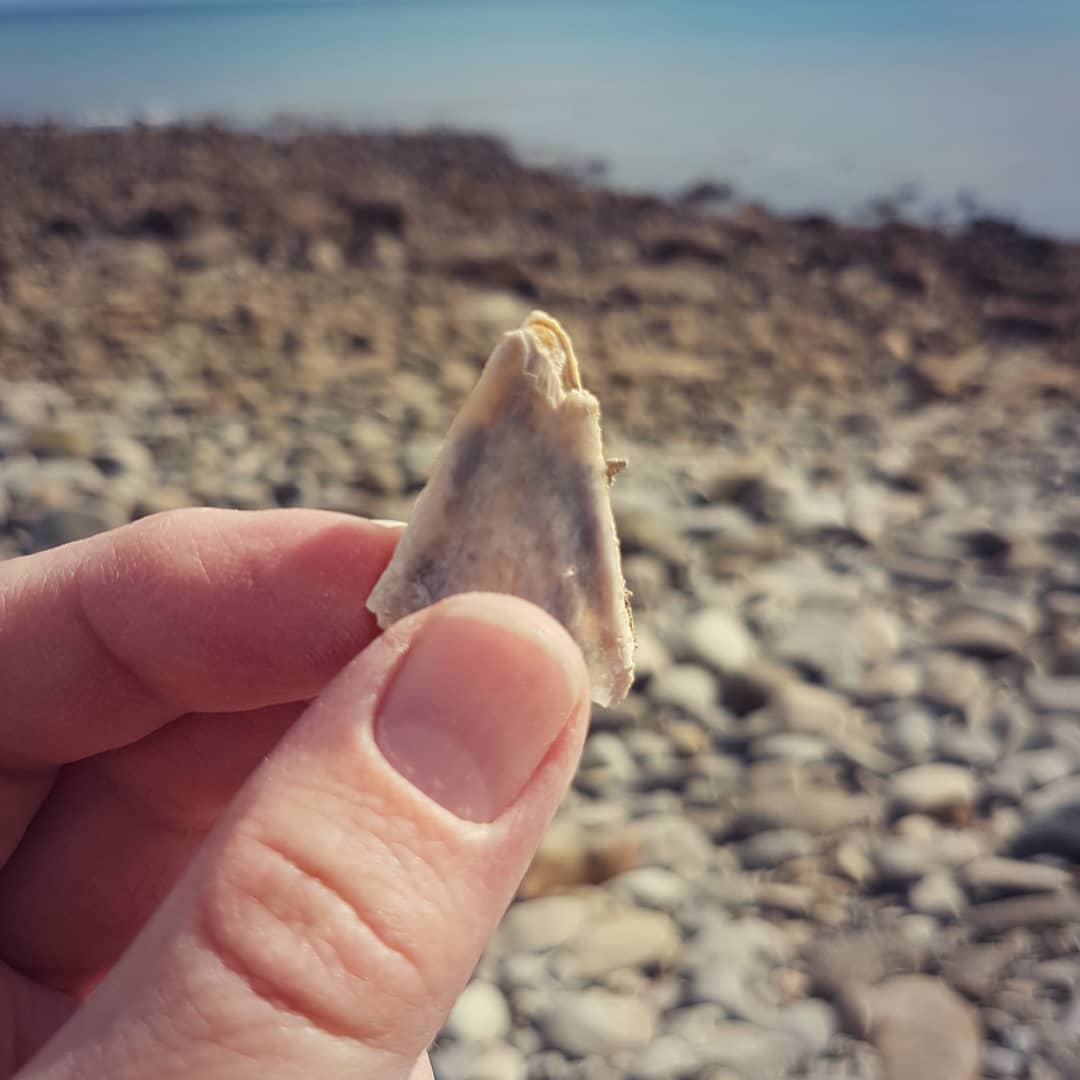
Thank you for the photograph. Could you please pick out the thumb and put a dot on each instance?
(339, 907)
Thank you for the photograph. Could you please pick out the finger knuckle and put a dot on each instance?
(297, 925)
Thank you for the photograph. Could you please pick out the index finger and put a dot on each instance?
(105, 640)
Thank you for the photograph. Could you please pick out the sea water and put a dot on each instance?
(804, 104)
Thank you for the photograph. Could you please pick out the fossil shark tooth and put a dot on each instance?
(518, 502)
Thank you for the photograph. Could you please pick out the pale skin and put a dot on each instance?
(271, 841)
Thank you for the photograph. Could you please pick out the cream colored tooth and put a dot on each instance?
(518, 502)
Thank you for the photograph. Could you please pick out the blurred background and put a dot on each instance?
(820, 262)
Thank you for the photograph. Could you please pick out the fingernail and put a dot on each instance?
(485, 689)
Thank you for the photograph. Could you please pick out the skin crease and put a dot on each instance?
(219, 810)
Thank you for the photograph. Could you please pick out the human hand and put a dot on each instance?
(251, 883)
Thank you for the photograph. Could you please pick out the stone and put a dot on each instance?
(1041, 909)
(687, 687)
(624, 938)
(596, 1021)
(740, 944)
(651, 656)
(837, 644)
(937, 895)
(813, 1022)
(479, 1015)
(953, 682)
(57, 527)
(544, 923)
(922, 571)
(652, 887)
(804, 707)
(867, 956)
(570, 855)
(752, 1050)
(770, 849)
(668, 1058)
(718, 639)
(1059, 694)
(606, 763)
(523, 462)
(497, 1061)
(981, 635)
(1053, 824)
(977, 970)
(993, 877)
(815, 810)
(790, 746)
(921, 1029)
(900, 860)
(961, 746)
(727, 987)
(933, 789)
(672, 841)
(911, 733)
(1001, 1061)
(889, 682)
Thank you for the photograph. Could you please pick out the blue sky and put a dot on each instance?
(884, 16)
(805, 103)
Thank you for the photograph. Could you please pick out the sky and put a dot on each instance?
(808, 104)
(973, 16)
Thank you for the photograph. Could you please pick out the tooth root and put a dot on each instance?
(518, 502)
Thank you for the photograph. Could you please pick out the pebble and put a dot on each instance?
(813, 1022)
(652, 887)
(938, 895)
(667, 1058)
(815, 810)
(887, 682)
(1001, 1061)
(718, 639)
(479, 1015)
(981, 635)
(861, 957)
(497, 1061)
(767, 850)
(1053, 831)
(543, 923)
(687, 687)
(596, 1021)
(900, 860)
(953, 683)
(933, 789)
(1041, 909)
(790, 746)
(58, 527)
(622, 938)
(921, 1029)
(837, 644)
(1060, 694)
(650, 656)
(993, 877)
(752, 1050)
(911, 733)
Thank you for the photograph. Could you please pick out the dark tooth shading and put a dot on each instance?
(469, 458)
(586, 524)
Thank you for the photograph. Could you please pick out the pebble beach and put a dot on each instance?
(834, 831)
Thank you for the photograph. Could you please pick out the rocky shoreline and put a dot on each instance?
(835, 830)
